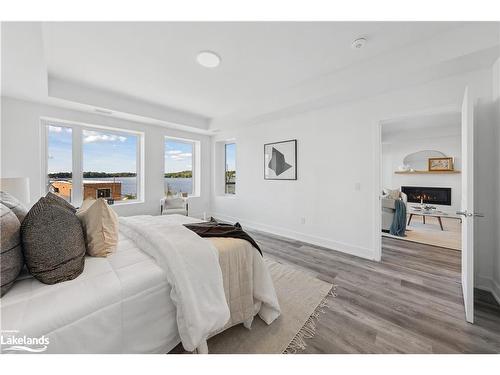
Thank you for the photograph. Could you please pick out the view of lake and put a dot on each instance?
(129, 186)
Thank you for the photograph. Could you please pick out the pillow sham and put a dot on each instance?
(100, 227)
(11, 255)
(14, 205)
(52, 241)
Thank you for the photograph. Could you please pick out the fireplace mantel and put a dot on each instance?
(426, 172)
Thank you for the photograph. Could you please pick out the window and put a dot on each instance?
(109, 164)
(60, 160)
(230, 169)
(90, 162)
(179, 171)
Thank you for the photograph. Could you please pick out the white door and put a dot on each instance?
(467, 205)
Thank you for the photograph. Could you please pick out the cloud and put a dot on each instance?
(174, 152)
(90, 136)
(55, 129)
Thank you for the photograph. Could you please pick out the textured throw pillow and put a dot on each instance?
(11, 255)
(14, 205)
(53, 242)
(55, 199)
(393, 194)
(100, 226)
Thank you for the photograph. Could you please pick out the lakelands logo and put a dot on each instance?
(13, 342)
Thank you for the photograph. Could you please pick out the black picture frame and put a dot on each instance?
(294, 161)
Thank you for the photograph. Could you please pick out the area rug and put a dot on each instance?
(302, 299)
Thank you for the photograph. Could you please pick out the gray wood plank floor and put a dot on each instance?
(410, 302)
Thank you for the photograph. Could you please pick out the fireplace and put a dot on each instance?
(430, 195)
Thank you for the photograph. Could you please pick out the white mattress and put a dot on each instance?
(119, 304)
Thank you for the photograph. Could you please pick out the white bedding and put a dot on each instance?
(117, 305)
(123, 303)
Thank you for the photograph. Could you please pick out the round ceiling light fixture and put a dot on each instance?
(208, 59)
(358, 43)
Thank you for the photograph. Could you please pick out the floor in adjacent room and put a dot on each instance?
(410, 302)
(430, 232)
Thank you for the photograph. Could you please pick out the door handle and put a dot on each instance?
(470, 214)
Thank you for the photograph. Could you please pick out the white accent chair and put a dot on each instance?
(389, 208)
(174, 205)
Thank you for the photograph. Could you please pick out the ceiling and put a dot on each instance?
(266, 66)
(440, 124)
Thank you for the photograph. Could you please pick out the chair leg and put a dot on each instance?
(423, 218)
(440, 222)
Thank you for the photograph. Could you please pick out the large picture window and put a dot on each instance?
(85, 162)
(230, 168)
(179, 171)
(109, 165)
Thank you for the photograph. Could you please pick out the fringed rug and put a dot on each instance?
(302, 299)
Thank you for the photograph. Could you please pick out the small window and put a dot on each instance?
(60, 160)
(103, 193)
(230, 170)
(179, 169)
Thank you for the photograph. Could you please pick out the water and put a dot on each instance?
(129, 185)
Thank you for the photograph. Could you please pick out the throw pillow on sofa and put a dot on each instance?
(53, 242)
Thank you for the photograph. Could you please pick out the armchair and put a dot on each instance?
(174, 205)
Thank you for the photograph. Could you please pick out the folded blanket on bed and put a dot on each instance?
(213, 228)
(192, 269)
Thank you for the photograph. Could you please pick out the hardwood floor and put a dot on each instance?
(410, 302)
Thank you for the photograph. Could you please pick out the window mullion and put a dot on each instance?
(77, 172)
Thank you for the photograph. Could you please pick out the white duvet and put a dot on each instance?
(192, 268)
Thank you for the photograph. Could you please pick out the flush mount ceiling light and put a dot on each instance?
(208, 59)
(358, 43)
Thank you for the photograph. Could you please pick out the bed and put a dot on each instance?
(129, 302)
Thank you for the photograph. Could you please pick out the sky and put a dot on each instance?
(231, 157)
(116, 152)
(102, 151)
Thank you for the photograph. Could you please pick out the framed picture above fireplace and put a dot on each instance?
(441, 164)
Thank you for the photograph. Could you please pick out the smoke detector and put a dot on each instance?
(358, 43)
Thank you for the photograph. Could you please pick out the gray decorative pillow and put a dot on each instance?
(55, 199)
(15, 206)
(11, 255)
(53, 242)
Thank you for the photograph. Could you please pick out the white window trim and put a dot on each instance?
(77, 156)
(196, 162)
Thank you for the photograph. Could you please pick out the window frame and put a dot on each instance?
(195, 161)
(225, 169)
(77, 129)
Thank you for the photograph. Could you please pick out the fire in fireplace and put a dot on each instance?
(430, 195)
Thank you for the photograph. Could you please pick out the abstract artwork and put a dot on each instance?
(280, 160)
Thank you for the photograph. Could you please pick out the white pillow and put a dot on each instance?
(100, 226)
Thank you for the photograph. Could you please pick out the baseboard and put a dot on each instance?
(303, 237)
(485, 283)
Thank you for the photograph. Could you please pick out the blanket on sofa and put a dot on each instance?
(398, 226)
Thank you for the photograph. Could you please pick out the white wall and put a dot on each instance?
(22, 150)
(394, 152)
(336, 154)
